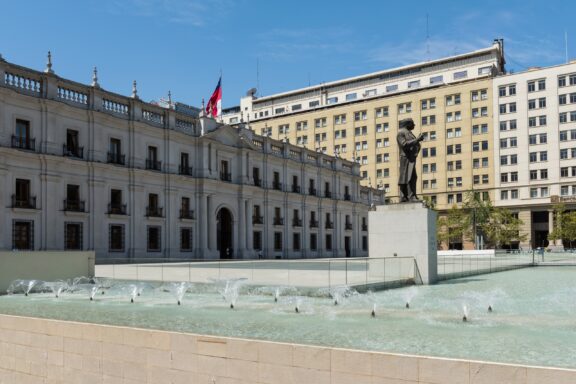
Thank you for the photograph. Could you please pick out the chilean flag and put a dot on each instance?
(214, 106)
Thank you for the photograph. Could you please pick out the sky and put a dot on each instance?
(183, 46)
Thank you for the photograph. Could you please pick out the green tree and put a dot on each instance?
(502, 228)
(570, 227)
(452, 227)
(560, 224)
(480, 211)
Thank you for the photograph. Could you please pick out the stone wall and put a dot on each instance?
(49, 351)
(44, 265)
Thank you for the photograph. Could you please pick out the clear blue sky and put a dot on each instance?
(182, 45)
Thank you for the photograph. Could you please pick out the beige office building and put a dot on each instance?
(357, 119)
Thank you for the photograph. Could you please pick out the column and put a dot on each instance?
(249, 225)
(202, 225)
(241, 225)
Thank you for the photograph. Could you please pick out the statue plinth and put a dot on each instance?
(405, 229)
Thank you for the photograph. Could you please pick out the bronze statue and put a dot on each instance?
(409, 146)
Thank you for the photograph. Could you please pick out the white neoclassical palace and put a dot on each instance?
(83, 168)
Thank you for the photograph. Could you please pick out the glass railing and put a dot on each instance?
(361, 273)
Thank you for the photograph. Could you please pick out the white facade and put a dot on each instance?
(535, 143)
(82, 168)
(472, 65)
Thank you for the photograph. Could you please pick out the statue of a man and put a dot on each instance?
(409, 147)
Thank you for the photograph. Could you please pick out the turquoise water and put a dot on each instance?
(533, 319)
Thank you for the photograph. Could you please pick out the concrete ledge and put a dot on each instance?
(34, 350)
(44, 265)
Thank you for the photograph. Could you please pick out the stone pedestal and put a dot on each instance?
(406, 229)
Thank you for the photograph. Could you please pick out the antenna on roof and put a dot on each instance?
(427, 40)
(566, 44)
(257, 73)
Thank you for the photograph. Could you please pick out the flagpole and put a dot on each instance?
(221, 118)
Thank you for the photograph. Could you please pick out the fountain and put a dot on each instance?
(523, 319)
(409, 294)
(178, 289)
(24, 286)
(56, 287)
(229, 289)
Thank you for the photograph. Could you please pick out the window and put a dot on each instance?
(320, 123)
(296, 241)
(153, 238)
(382, 127)
(115, 152)
(514, 194)
(283, 129)
(503, 160)
(340, 119)
(331, 100)
(541, 85)
(513, 176)
(542, 102)
(186, 239)
(513, 159)
(392, 88)
(279, 110)
(297, 107)
(277, 241)
(370, 92)
(116, 238)
(405, 108)
(23, 234)
(328, 242)
(257, 240)
(314, 103)
(533, 192)
(533, 174)
(484, 70)
(436, 80)
(351, 96)
(382, 112)
(313, 241)
(531, 86)
(513, 142)
(414, 84)
(460, 75)
(360, 115)
(73, 236)
(22, 138)
(301, 125)
(561, 81)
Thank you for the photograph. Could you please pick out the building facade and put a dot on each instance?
(535, 116)
(83, 168)
(449, 99)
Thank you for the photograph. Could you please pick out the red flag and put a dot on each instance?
(214, 106)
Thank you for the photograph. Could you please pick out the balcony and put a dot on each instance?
(329, 225)
(226, 176)
(257, 182)
(116, 209)
(154, 212)
(365, 227)
(278, 221)
(277, 185)
(328, 194)
(296, 222)
(347, 197)
(312, 191)
(27, 202)
(257, 219)
(295, 188)
(74, 205)
(313, 223)
(116, 158)
(184, 170)
(21, 142)
(187, 214)
(76, 152)
(348, 226)
(153, 165)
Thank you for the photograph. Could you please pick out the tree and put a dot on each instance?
(570, 227)
(502, 228)
(452, 227)
(480, 211)
(559, 225)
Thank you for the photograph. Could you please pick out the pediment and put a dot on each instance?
(229, 136)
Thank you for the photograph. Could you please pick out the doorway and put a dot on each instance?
(224, 233)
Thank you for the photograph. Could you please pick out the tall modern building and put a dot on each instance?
(84, 168)
(535, 139)
(450, 100)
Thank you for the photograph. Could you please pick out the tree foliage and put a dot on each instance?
(452, 227)
(502, 228)
(564, 224)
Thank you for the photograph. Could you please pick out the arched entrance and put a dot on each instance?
(224, 233)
